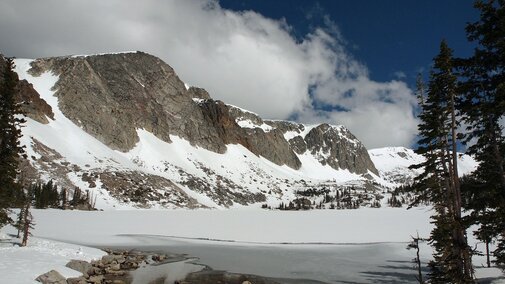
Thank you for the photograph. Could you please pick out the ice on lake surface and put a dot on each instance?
(292, 263)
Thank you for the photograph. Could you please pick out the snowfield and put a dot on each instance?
(23, 264)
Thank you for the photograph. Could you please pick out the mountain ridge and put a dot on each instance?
(126, 128)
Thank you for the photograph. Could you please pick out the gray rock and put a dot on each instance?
(51, 277)
(77, 280)
(339, 148)
(110, 96)
(298, 144)
(332, 145)
(113, 259)
(198, 93)
(285, 126)
(115, 266)
(79, 265)
(29, 99)
(96, 279)
(270, 145)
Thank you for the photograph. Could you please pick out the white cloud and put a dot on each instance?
(400, 75)
(241, 58)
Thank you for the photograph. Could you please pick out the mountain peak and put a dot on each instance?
(141, 122)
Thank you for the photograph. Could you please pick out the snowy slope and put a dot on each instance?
(179, 161)
(393, 164)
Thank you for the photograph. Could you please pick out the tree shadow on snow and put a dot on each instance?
(489, 280)
(395, 272)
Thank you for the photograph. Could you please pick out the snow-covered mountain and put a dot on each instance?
(393, 164)
(127, 129)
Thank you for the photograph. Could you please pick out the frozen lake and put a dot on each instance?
(321, 263)
(346, 246)
(329, 246)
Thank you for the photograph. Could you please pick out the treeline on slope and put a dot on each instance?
(41, 196)
(402, 196)
(469, 92)
(46, 195)
(345, 197)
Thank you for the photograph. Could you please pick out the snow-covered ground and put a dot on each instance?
(23, 264)
(302, 235)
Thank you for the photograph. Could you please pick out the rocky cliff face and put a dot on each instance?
(113, 96)
(110, 96)
(332, 145)
(31, 103)
(335, 146)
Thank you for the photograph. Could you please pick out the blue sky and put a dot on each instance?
(388, 36)
(350, 63)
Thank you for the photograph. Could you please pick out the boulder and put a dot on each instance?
(79, 265)
(96, 279)
(77, 280)
(51, 277)
(113, 259)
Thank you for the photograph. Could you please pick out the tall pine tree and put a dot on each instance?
(483, 104)
(10, 148)
(439, 183)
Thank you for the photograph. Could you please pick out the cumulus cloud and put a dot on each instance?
(242, 58)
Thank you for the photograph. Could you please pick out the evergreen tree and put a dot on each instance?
(47, 195)
(38, 198)
(10, 148)
(19, 222)
(439, 183)
(483, 104)
(77, 197)
(420, 89)
(64, 198)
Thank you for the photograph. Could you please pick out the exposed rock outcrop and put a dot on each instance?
(110, 96)
(270, 145)
(337, 147)
(331, 145)
(51, 277)
(31, 104)
(117, 266)
(198, 93)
